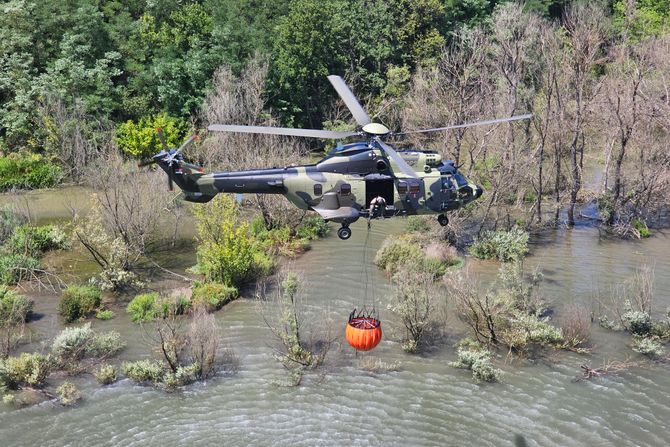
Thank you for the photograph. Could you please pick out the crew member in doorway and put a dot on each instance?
(377, 208)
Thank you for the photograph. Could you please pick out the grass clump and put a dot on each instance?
(34, 241)
(76, 343)
(79, 301)
(504, 245)
(15, 268)
(212, 295)
(143, 308)
(105, 315)
(398, 251)
(649, 346)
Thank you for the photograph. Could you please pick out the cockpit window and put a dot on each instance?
(318, 189)
(460, 180)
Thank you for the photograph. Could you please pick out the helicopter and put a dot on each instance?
(364, 179)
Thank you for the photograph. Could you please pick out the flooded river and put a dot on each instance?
(424, 403)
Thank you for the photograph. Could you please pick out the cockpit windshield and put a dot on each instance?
(460, 180)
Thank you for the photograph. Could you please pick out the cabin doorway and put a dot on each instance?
(383, 188)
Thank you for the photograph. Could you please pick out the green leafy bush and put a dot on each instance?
(312, 228)
(105, 314)
(397, 251)
(227, 251)
(105, 374)
(182, 376)
(504, 245)
(14, 308)
(25, 370)
(649, 346)
(79, 301)
(141, 139)
(417, 224)
(33, 241)
(144, 371)
(212, 295)
(641, 227)
(28, 171)
(105, 345)
(638, 323)
(9, 221)
(476, 358)
(75, 343)
(14, 268)
(68, 394)
(142, 308)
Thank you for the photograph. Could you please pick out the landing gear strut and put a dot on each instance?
(443, 220)
(344, 232)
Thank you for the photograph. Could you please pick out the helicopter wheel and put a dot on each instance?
(344, 233)
(443, 220)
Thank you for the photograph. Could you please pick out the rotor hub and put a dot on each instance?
(376, 129)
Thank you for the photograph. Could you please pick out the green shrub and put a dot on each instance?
(213, 295)
(78, 301)
(504, 245)
(9, 221)
(638, 323)
(641, 227)
(141, 139)
(312, 228)
(649, 346)
(183, 376)
(28, 171)
(396, 251)
(25, 370)
(227, 252)
(33, 241)
(14, 268)
(105, 345)
(142, 308)
(477, 359)
(72, 344)
(14, 308)
(105, 374)
(144, 371)
(105, 314)
(417, 224)
(68, 394)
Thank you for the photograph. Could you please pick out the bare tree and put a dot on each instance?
(241, 100)
(204, 340)
(585, 25)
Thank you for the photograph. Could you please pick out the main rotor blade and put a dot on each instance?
(477, 123)
(161, 137)
(360, 115)
(402, 164)
(313, 133)
(191, 139)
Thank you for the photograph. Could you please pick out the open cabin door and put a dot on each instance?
(379, 187)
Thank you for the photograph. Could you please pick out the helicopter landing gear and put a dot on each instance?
(344, 232)
(443, 220)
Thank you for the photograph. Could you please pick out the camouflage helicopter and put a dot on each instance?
(367, 179)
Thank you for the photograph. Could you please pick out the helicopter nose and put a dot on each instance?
(479, 191)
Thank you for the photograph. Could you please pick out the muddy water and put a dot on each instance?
(424, 403)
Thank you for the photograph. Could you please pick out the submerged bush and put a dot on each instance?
(105, 314)
(33, 241)
(142, 308)
(212, 295)
(312, 228)
(68, 394)
(476, 358)
(105, 374)
(9, 221)
(28, 171)
(14, 308)
(641, 227)
(14, 268)
(28, 369)
(649, 346)
(637, 322)
(398, 251)
(79, 302)
(504, 245)
(76, 343)
(184, 375)
(144, 371)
